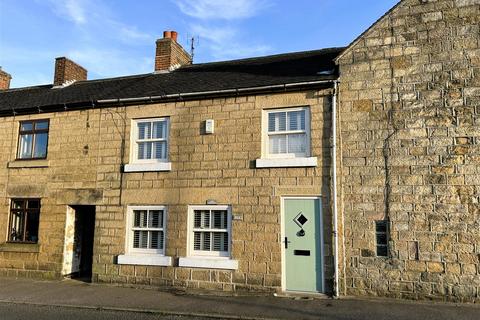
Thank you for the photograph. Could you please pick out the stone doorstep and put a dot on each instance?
(303, 295)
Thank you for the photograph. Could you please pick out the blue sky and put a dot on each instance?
(117, 37)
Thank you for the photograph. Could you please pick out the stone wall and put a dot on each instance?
(87, 150)
(410, 140)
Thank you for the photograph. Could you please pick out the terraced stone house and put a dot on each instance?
(232, 176)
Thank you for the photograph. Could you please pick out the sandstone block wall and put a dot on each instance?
(410, 140)
(87, 150)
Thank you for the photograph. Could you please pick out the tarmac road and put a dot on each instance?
(12, 311)
(32, 299)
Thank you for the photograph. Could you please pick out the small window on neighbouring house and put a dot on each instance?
(33, 139)
(288, 133)
(381, 233)
(24, 220)
(150, 138)
(147, 229)
(210, 231)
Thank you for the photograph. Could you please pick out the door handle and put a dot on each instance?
(286, 243)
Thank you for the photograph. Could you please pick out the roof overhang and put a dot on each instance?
(186, 96)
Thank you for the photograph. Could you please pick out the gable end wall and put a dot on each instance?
(410, 152)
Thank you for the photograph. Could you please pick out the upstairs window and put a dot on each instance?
(288, 133)
(150, 140)
(24, 220)
(33, 139)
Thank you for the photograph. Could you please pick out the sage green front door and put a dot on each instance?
(303, 245)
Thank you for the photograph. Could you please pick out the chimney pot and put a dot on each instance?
(66, 71)
(4, 80)
(174, 35)
(167, 34)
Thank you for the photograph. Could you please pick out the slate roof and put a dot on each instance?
(279, 69)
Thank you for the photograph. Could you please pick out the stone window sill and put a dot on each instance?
(145, 260)
(208, 263)
(43, 163)
(285, 163)
(20, 247)
(144, 167)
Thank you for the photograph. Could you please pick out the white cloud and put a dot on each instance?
(99, 21)
(225, 43)
(110, 62)
(30, 78)
(235, 51)
(130, 33)
(214, 34)
(221, 35)
(221, 9)
(73, 10)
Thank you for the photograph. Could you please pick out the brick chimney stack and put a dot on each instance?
(169, 54)
(4, 80)
(67, 71)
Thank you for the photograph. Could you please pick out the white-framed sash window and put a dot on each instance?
(209, 231)
(286, 138)
(146, 229)
(149, 145)
(209, 238)
(150, 140)
(287, 133)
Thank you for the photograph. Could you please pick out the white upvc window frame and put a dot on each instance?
(138, 165)
(131, 229)
(266, 134)
(208, 259)
(191, 230)
(139, 256)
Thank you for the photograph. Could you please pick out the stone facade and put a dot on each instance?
(408, 154)
(410, 139)
(88, 148)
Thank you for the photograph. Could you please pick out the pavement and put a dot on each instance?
(81, 295)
